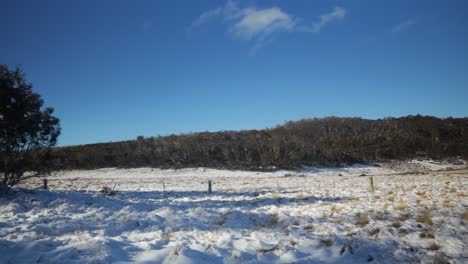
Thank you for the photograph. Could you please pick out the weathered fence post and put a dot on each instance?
(371, 184)
(209, 187)
(45, 184)
(164, 189)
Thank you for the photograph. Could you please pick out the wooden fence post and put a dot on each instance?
(371, 184)
(45, 184)
(209, 187)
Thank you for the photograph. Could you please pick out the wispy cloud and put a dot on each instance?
(259, 25)
(254, 22)
(337, 14)
(403, 26)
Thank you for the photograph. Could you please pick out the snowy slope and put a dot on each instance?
(311, 216)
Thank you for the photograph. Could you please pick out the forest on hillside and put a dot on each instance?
(324, 141)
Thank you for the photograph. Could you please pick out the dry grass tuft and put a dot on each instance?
(396, 224)
(326, 215)
(326, 242)
(418, 193)
(362, 219)
(374, 232)
(404, 217)
(336, 209)
(426, 235)
(425, 217)
(272, 221)
(433, 247)
(381, 215)
(302, 196)
(465, 216)
(447, 203)
(401, 206)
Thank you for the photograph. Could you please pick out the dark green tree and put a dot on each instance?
(27, 130)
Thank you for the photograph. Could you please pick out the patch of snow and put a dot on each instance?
(307, 216)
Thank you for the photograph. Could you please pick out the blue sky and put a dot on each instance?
(115, 70)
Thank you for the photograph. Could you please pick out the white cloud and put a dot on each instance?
(262, 22)
(259, 25)
(337, 14)
(403, 26)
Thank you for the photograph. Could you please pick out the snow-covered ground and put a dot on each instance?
(308, 216)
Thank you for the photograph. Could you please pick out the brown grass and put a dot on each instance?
(465, 216)
(374, 232)
(362, 219)
(420, 193)
(433, 247)
(404, 217)
(396, 224)
(426, 235)
(381, 215)
(425, 217)
(336, 209)
(273, 220)
(401, 206)
(447, 203)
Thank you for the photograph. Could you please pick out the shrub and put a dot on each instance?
(27, 132)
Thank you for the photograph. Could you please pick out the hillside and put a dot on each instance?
(325, 141)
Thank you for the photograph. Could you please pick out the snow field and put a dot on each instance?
(312, 216)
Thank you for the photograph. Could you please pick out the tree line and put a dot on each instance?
(325, 141)
(28, 131)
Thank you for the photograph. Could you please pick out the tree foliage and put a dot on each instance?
(26, 130)
(330, 141)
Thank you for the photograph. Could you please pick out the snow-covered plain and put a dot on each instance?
(311, 216)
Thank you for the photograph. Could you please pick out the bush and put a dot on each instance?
(26, 131)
